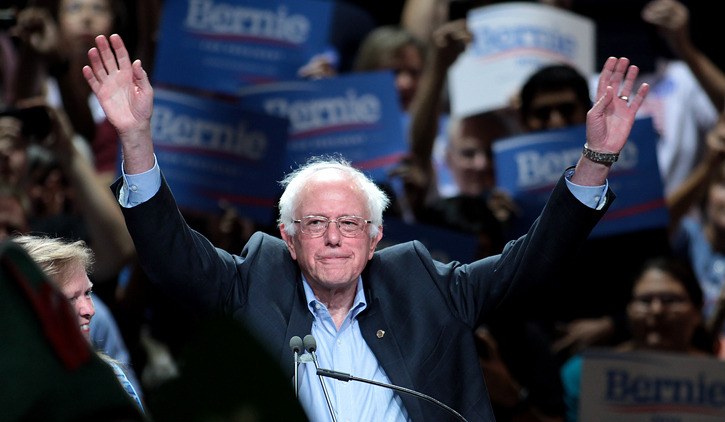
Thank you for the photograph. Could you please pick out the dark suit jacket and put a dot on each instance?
(427, 309)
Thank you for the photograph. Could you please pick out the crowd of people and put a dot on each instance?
(500, 338)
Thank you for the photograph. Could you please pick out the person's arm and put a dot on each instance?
(126, 95)
(422, 17)
(169, 251)
(682, 199)
(108, 237)
(449, 41)
(671, 18)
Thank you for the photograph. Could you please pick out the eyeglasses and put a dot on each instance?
(316, 225)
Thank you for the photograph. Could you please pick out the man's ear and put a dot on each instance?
(288, 241)
(374, 242)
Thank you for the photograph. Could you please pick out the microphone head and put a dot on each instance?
(310, 343)
(295, 343)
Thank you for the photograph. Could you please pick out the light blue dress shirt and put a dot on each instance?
(342, 350)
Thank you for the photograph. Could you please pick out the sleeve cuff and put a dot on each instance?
(592, 196)
(139, 188)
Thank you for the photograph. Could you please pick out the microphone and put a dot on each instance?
(295, 343)
(347, 377)
(311, 345)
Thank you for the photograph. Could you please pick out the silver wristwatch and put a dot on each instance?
(600, 157)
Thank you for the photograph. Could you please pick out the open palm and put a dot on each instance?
(122, 87)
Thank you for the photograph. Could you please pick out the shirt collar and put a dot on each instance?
(358, 305)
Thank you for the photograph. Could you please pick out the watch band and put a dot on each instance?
(600, 157)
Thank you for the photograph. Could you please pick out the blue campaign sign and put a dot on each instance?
(528, 166)
(356, 115)
(444, 245)
(220, 46)
(212, 151)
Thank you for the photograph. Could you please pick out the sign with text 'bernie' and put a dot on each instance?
(649, 386)
(511, 40)
(223, 45)
(528, 166)
(355, 115)
(212, 152)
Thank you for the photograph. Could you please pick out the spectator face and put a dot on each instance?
(81, 21)
(76, 287)
(661, 314)
(407, 65)
(331, 261)
(469, 155)
(555, 110)
(13, 151)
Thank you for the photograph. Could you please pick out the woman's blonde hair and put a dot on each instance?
(56, 256)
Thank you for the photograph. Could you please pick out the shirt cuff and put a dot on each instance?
(139, 188)
(592, 196)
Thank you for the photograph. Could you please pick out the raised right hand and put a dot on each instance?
(124, 91)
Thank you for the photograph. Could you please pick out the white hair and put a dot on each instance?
(294, 182)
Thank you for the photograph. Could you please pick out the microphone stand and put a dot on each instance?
(311, 346)
(347, 377)
(295, 344)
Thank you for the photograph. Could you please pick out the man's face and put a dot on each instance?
(469, 158)
(13, 151)
(331, 261)
(77, 288)
(555, 110)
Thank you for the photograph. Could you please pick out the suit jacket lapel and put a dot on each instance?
(300, 324)
(381, 338)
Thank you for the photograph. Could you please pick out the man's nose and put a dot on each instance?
(333, 235)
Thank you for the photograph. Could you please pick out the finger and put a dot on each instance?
(620, 69)
(629, 80)
(107, 57)
(98, 72)
(96, 59)
(639, 98)
(141, 76)
(603, 101)
(91, 78)
(120, 50)
(605, 75)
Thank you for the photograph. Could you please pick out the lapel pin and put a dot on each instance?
(381, 333)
